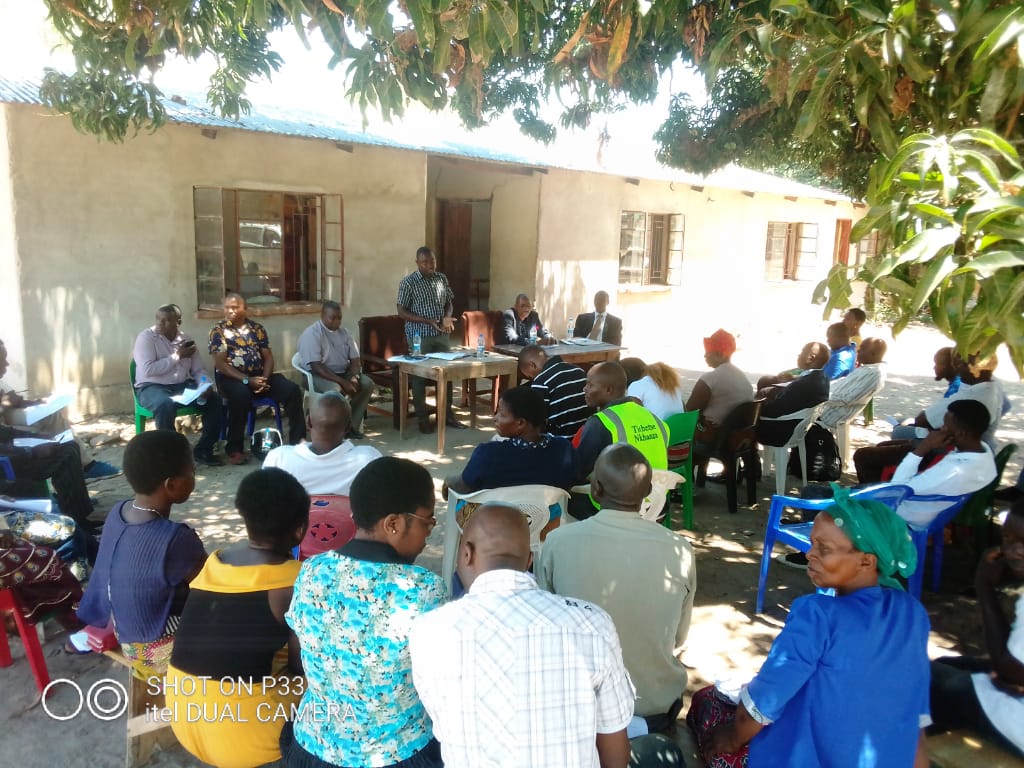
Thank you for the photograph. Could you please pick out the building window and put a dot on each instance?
(271, 247)
(867, 248)
(650, 248)
(791, 251)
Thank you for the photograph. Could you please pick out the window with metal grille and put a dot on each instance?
(650, 248)
(791, 251)
(271, 247)
(867, 248)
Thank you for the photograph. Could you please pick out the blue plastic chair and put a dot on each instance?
(798, 535)
(934, 531)
(250, 424)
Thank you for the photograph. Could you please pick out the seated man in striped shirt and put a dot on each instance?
(848, 396)
(561, 385)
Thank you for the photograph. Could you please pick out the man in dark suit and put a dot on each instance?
(517, 322)
(805, 391)
(599, 325)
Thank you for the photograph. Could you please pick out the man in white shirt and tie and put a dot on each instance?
(599, 325)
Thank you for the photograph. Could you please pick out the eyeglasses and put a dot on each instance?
(430, 522)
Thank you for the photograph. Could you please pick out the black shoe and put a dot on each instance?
(355, 434)
(454, 423)
(426, 427)
(207, 459)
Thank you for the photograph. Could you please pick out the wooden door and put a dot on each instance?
(454, 255)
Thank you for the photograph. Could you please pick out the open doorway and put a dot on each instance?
(464, 238)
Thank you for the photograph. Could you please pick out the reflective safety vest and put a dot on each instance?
(632, 423)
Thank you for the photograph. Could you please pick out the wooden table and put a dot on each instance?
(441, 372)
(570, 353)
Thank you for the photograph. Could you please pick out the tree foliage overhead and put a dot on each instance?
(949, 215)
(816, 86)
(824, 90)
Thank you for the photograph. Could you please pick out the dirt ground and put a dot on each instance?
(726, 640)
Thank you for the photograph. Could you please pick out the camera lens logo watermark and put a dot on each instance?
(105, 699)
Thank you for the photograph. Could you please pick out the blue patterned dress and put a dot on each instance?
(352, 612)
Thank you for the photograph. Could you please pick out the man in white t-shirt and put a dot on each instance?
(328, 463)
(987, 695)
(976, 383)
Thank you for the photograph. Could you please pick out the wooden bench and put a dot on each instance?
(966, 749)
(148, 727)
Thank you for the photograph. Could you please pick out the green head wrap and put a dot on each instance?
(876, 529)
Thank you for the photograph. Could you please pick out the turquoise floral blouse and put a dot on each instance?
(352, 611)
(244, 345)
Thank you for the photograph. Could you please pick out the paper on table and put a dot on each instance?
(189, 396)
(449, 355)
(31, 442)
(581, 340)
(30, 414)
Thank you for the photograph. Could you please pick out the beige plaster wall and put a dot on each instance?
(11, 327)
(515, 201)
(723, 258)
(105, 234)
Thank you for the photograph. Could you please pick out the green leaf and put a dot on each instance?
(938, 270)
(422, 17)
(991, 262)
(1008, 30)
(933, 211)
(990, 139)
(479, 47)
(812, 108)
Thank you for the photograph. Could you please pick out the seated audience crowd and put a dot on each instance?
(357, 657)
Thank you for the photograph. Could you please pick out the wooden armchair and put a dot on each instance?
(382, 337)
(475, 322)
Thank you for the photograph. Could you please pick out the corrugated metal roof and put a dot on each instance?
(191, 109)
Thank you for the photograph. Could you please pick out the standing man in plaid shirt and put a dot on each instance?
(425, 303)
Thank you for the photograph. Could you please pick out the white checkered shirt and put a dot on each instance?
(424, 296)
(512, 675)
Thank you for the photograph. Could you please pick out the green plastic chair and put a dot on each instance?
(141, 414)
(681, 428)
(975, 513)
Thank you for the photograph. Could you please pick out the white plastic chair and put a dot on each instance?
(297, 365)
(535, 501)
(662, 481)
(778, 455)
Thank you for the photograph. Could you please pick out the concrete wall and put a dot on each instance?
(722, 283)
(515, 203)
(104, 234)
(11, 325)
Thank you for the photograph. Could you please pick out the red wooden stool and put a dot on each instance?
(34, 651)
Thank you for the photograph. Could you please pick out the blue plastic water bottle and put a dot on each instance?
(533, 334)
(417, 345)
(480, 346)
